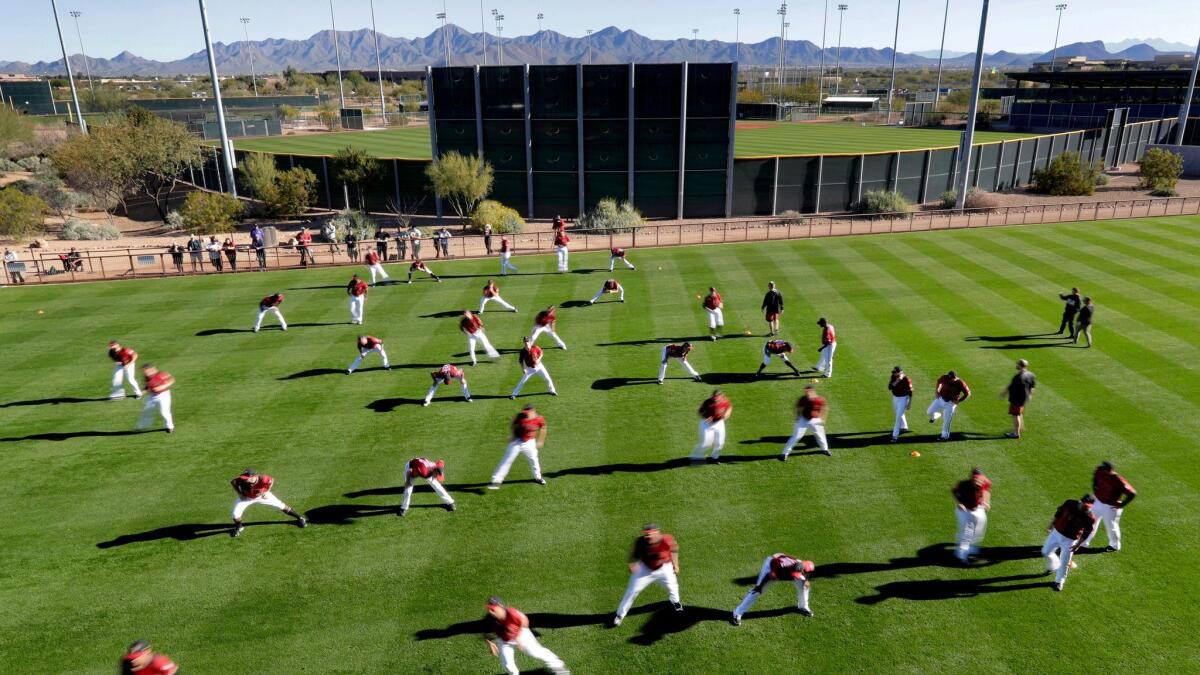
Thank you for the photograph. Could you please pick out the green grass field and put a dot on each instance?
(110, 537)
(781, 139)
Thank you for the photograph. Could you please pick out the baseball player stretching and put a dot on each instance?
(433, 473)
(714, 306)
(780, 348)
(357, 290)
(948, 393)
(531, 362)
(528, 436)
(376, 269)
(1109, 487)
(545, 322)
(713, 412)
(270, 304)
(561, 251)
(506, 257)
(139, 659)
(1072, 525)
(610, 286)
(618, 254)
(972, 499)
(680, 354)
(445, 375)
(779, 567)
(473, 327)
(124, 359)
(655, 560)
(367, 344)
(419, 265)
(828, 346)
(158, 383)
(901, 388)
(492, 294)
(251, 489)
(810, 414)
(511, 628)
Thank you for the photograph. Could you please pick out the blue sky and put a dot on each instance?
(169, 29)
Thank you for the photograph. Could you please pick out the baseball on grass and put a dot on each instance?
(914, 453)
(747, 331)
(40, 312)
(660, 268)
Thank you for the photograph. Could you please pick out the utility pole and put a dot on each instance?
(337, 54)
(837, 68)
(937, 90)
(1185, 106)
(782, 12)
(226, 146)
(70, 75)
(821, 75)
(589, 43)
(445, 40)
(500, 37)
(483, 29)
(540, 16)
(246, 33)
(379, 66)
(737, 34)
(968, 137)
(1057, 28)
(895, 44)
(87, 67)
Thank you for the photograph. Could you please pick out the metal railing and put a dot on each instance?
(131, 263)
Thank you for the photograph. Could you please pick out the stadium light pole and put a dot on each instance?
(500, 37)
(87, 67)
(379, 65)
(1186, 107)
(540, 16)
(1057, 28)
(737, 34)
(837, 68)
(337, 55)
(70, 75)
(895, 45)
(589, 41)
(496, 23)
(445, 41)
(968, 137)
(821, 75)
(226, 146)
(246, 32)
(782, 12)
(483, 29)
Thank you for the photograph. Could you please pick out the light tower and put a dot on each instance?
(1057, 28)
(246, 33)
(837, 68)
(737, 34)
(87, 67)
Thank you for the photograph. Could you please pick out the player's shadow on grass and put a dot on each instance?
(443, 315)
(843, 441)
(67, 435)
(394, 490)
(51, 401)
(950, 589)
(1021, 345)
(1008, 338)
(666, 340)
(346, 514)
(187, 532)
(230, 331)
(610, 383)
(318, 372)
(384, 405)
(571, 304)
(316, 288)
(934, 555)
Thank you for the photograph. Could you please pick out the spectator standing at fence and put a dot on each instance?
(10, 260)
(259, 244)
(230, 250)
(195, 249)
(381, 242)
(487, 238)
(214, 254)
(772, 306)
(1084, 324)
(506, 257)
(1070, 309)
(351, 241)
(414, 239)
(329, 232)
(304, 245)
(176, 251)
(401, 243)
(445, 239)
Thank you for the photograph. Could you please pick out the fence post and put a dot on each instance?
(103, 274)
(1043, 214)
(162, 264)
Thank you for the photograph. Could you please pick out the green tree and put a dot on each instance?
(260, 175)
(296, 190)
(103, 100)
(1067, 175)
(461, 180)
(21, 215)
(355, 167)
(329, 114)
(355, 80)
(1160, 170)
(210, 212)
(288, 113)
(503, 219)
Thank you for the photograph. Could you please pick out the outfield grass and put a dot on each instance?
(406, 143)
(364, 591)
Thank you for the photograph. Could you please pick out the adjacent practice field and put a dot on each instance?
(406, 143)
(110, 536)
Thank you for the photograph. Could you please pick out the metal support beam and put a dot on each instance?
(579, 130)
(528, 149)
(733, 75)
(632, 133)
(683, 95)
(433, 138)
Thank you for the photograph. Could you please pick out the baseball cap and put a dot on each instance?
(1106, 465)
(495, 602)
(897, 369)
(976, 471)
(138, 646)
(528, 407)
(821, 321)
(250, 472)
(1023, 363)
(809, 387)
(649, 527)
(952, 374)
(1088, 499)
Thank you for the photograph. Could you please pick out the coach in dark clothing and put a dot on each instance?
(1074, 302)
(381, 243)
(1019, 391)
(772, 306)
(1084, 323)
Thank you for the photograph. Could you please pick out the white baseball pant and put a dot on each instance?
(481, 338)
(612, 261)
(767, 357)
(601, 292)
(357, 304)
(377, 270)
(160, 402)
(506, 264)
(527, 643)
(517, 447)
(716, 317)
(1058, 553)
(944, 409)
(483, 301)
(561, 252)
(644, 576)
(123, 373)
(549, 330)
(263, 311)
(752, 597)
(433, 390)
(826, 362)
(712, 435)
(266, 499)
(539, 369)
(363, 354)
(1111, 517)
(662, 368)
(900, 407)
(802, 425)
(433, 483)
(971, 526)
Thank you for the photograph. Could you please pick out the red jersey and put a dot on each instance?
(372, 257)
(356, 287)
(305, 238)
(953, 390)
(1110, 487)
(159, 382)
(900, 386)
(1073, 522)
(712, 300)
(561, 238)
(678, 351)
(785, 568)
(490, 290)
(446, 373)
(525, 428)
(504, 244)
(421, 467)
(418, 265)
(271, 300)
(531, 356)
(654, 556)
(971, 494)
(123, 356)
(471, 324)
(715, 408)
(368, 343)
(611, 286)
(778, 347)
(248, 490)
(159, 665)
(509, 628)
(811, 407)
(828, 337)
(618, 252)
(546, 317)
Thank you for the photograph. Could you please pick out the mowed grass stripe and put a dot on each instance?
(816, 139)
(407, 143)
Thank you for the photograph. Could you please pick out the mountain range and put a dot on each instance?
(610, 45)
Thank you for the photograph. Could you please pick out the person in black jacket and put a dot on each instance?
(772, 305)
(1074, 302)
(1084, 322)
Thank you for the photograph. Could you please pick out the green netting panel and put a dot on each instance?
(555, 194)
(877, 172)
(703, 194)
(552, 92)
(753, 187)
(708, 130)
(941, 178)
(797, 184)
(1025, 164)
(315, 165)
(555, 145)
(1088, 146)
(1042, 158)
(1058, 145)
(839, 187)
(708, 92)
(601, 184)
(985, 166)
(415, 192)
(502, 91)
(511, 189)
(504, 144)
(1008, 157)
(911, 175)
(457, 136)
(606, 145)
(706, 156)
(454, 93)
(31, 97)
(606, 92)
(657, 89)
(379, 193)
(1144, 140)
(655, 193)
(657, 145)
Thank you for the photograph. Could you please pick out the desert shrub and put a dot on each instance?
(353, 221)
(295, 191)
(210, 212)
(609, 215)
(21, 215)
(1160, 170)
(175, 221)
(504, 220)
(7, 164)
(949, 199)
(982, 200)
(1101, 178)
(1067, 175)
(77, 230)
(881, 202)
(1164, 192)
(792, 217)
(35, 163)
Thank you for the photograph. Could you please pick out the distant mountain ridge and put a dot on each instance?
(610, 45)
